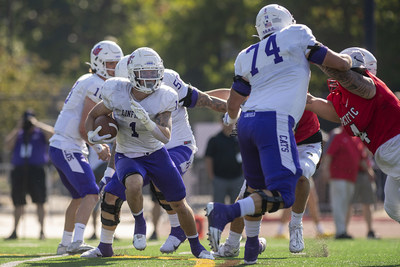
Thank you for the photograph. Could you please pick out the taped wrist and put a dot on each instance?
(98, 148)
(156, 132)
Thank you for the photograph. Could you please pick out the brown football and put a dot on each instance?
(108, 125)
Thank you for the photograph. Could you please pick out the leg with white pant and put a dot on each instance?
(392, 198)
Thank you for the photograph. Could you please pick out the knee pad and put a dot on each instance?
(112, 209)
(160, 196)
(246, 194)
(393, 211)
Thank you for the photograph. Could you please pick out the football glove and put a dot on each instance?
(142, 115)
(227, 120)
(95, 138)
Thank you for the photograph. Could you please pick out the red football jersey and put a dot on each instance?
(307, 126)
(374, 120)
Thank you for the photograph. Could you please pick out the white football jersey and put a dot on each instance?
(181, 131)
(278, 71)
(66, 130)
(132, 136)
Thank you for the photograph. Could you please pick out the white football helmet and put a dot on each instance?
(369, 60)
(121, 70)
(272, 18)
(102, 52)
(145, 70)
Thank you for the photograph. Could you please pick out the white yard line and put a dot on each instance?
(15, 263)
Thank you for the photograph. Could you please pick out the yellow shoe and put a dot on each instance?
(281, 236)
(325, 235)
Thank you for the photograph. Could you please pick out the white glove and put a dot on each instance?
(95, 138)
(142, 115)
(227, 120)
(357, 60)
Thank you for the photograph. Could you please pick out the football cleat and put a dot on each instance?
(139, 241)
(206, 255)
(251, 252)
(171, 244)
(61, 249)
(217, 216)
(296, 243)
(78, 247)
(227, 250)
(93, 253)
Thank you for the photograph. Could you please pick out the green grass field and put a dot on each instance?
(327, 252)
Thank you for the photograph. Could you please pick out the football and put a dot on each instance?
(108, 125)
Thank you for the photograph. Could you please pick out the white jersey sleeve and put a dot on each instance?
(182, 133)
(66, 129)
(278, 71)
(132, 136)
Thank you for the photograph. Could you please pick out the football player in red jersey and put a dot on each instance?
(366, 108)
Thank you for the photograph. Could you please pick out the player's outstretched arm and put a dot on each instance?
(208, 101)
(353, 81)
(322, 107)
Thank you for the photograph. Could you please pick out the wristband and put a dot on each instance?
(98, 148)
(109, 172)
(150, 125)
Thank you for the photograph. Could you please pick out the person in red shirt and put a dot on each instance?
(366, 108)
(340, 166)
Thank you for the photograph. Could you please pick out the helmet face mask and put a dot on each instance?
(145, 70)
(102, 54)
(272, 18)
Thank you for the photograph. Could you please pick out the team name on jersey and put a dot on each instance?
(348, 117)
(127, 113)
(284, 144)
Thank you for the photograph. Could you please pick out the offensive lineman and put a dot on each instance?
(273, 76)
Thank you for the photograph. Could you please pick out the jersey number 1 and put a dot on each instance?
(270, 49)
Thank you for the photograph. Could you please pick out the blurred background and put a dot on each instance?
(44, 45)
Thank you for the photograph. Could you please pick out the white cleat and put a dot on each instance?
(206, 255)
(263, 243)
(296, 243)
(227, 250)
(214, 234)
(61, 249)
(78, 247)
(170, 245)
(93, 253)
(139, 241)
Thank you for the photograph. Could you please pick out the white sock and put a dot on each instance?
(233, 238)
(297, 218)
(107, 236)
(79, 230)
(319, 227)
(174, 220)
(136, 214)
(246, 206)
(281, 228)
(252, 228)
(193, 236)
(66, 238)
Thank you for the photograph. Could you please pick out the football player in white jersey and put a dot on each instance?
(68, 150)
(272, 76)
(181, 149)
(142, 107)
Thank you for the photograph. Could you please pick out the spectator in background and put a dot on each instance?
(364, 192)
(29, 145)
(224, 165)
(340, 166)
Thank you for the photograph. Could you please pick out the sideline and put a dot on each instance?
(15, 263)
